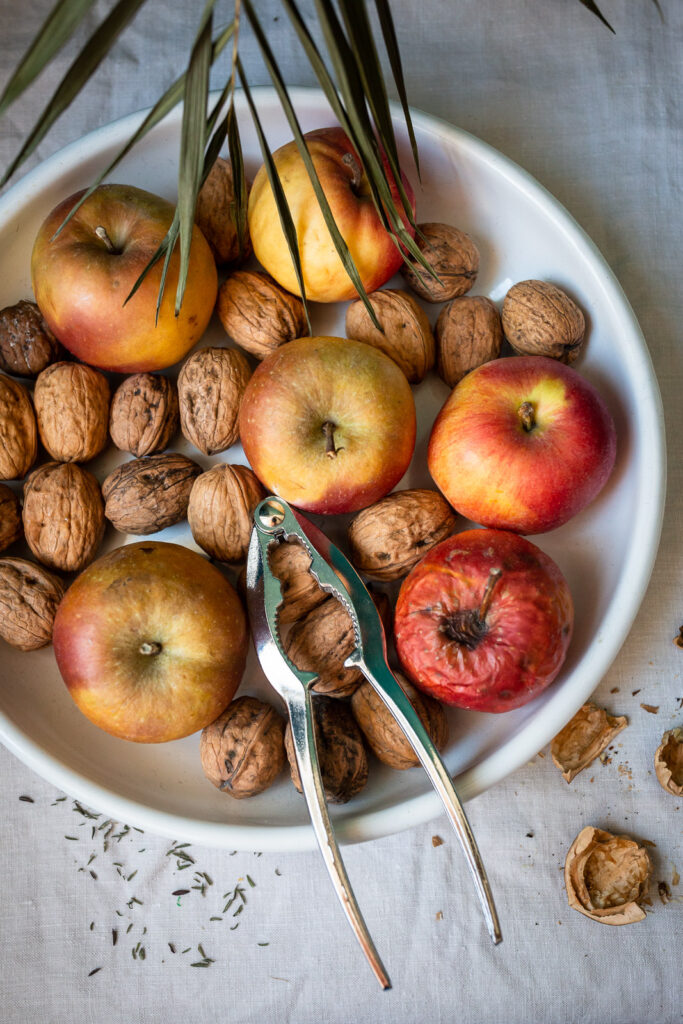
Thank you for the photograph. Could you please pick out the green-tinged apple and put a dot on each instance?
(522, 444)
(151, 641)
(328, 424)
(484, 621)
(83, 277)
(348, 193)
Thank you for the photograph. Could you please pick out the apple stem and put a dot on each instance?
(330, 449)
(149, 647)
(526, 414)
(102, 234)
(494, 576)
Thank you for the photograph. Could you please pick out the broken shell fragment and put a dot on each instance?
(669, 762)
(583, 738)
(606, 877)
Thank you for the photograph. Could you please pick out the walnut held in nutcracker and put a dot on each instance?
(10, 517)
(215, 216)
(144, 414)
(243, 751)
(258, 314)
(407, 337)
(210, 389)
(18, 430)
(291, 563)
(27, 345)
(584, 738)
(29, 596)
(320, 642)
(147, 495)
(468, 333)
(222, 502)
(341, 754)
(453, 257)
(382, 732)
(606, 877)
(63, 515)
(72, 410)
(541, 320)
(669, 762)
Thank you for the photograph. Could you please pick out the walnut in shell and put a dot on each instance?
(468, 334)
(388, 538)
(10, 517)
(607, 876)
(540, 319)
(18, 430)
(290, 563)
(341, 754)
(406, 336)
(669, 762)
(27, 345)
(29, 596)
(210, 389)
(243, 751)
(63, 515)
(383, 734)
(147, 495)
(321, 642)
(584, 738)
(258, 314)
(72, 410)
(215, 216)
(451, 254)
(222, 503)
(144, 414)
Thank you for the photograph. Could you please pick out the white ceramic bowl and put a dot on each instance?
(606, 552)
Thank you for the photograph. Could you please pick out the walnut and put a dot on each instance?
(669, 762)
(583, 739)
(215, 216)
(451, 254)
(210, 389)
(341, 754)
(18, 431)
(63, 515)
(147, 495)
(541, 320)
(407, 337)
(243, 751)
(29, 596)
(72, 410)
(10, 517)
(222, 503)
(27, 345)
(388, 538)
(258, 314)
(144, 414)
(606, 877)
(468, 334)
(382, 732)
(291, 563)
(320, 642)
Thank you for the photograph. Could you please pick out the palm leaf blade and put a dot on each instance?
(391, 43)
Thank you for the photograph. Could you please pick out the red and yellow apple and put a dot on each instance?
(484, 621)
(83, 277)
(348, 193)
(328, 424)
(522, 444)
(151, 641)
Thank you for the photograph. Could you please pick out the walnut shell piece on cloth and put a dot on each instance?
(468, 333)
(406, 335)
(63, 515)
(607, 876)
(10, 517)
(583, 738)
(451, 254)
(540, 319)
(18, 430)
(341, 754)
(147, 495)
(215, 216)
(29, 596)
(72, 410)
(258, 314)
(220, 511)
(243, 751)
(320, 643)
(669, 762)
(382, 732)
(144, 414)
(27, 345)
(211, 386)
(291, 563)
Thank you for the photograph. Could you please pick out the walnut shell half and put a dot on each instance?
(258, 314)
(320, 643)
(215, 216)
(211, 385)
(406, 335)
(147, 495)
(63, 515)
(607, 876)
(243, 751)
(72, 410)
(18, 430)
(669, 762)
(540, 319)
(341, 754)
(10, 517)
(383, 733)
(144, 414)
(29, 596)
(468, 334)
(451, 254)
(222, 503)
(584, 738)
(27, 345)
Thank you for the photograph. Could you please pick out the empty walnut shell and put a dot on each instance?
(406, 336)
(584, 738)
(541, 320)
(222, 503)
(72, 410)
(321, 642)
(382, 732)
(669, 762)
(147, 495)
(18, 430)
(388, 538)
(10, 517)
(210, 389)
(451, 254)
(290, 563)
(607, 876)
(243, 751)
(468, 334)
(341, 754)
(63, 515)
(144, 414)
(258, 314)
(29, 596)
(215, 216)
(27, 345)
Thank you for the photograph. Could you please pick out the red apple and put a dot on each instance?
(347, 191)
(328, 424)
(82, 278)
(151, 641)
(522, 444)
(484, 621)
